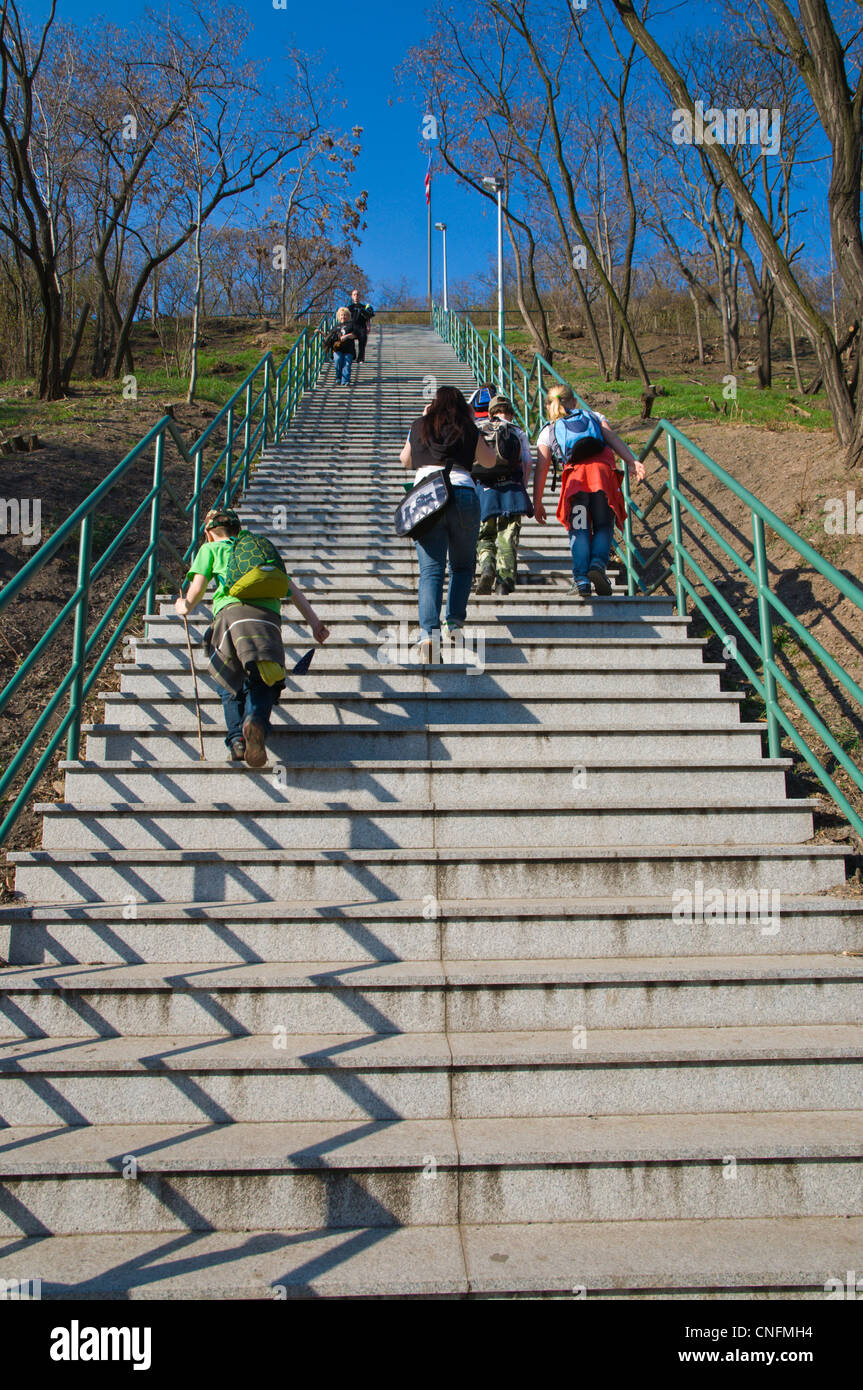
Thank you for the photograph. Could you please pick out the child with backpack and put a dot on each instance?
(591, 499)
(503, 499)
(247, 654)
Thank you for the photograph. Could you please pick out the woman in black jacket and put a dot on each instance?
(445, 436)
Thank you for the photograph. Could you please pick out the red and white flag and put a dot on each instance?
(428, 182)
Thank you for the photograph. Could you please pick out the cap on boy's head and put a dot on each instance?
(500, 403)
(220, 516)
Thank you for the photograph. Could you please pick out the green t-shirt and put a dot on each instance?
(213, 559)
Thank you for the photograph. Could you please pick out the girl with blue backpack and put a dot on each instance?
(591, 499)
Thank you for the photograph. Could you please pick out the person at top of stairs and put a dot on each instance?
(361, 317)
(446, 437)
(341, 341)
(247, 654)
(591, 499)
(503, 499)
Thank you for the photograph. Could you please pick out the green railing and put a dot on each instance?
(491, 361)
(258, 413)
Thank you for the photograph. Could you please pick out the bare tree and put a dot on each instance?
(831, 71)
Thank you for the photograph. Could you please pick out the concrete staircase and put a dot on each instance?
(415, 1012)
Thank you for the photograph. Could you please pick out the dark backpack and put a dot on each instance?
(255, 570)
(578, 436)
(506, 442)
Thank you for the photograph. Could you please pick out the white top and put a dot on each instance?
(459, 477)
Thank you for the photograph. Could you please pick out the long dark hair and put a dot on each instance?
(448, 419)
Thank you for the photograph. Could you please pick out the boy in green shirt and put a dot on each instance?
(248, 706)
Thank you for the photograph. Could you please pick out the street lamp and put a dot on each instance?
(495, 183)
(441, 226)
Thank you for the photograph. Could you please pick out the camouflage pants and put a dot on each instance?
(497, 546)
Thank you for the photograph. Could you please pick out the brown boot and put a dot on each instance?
(256, 752)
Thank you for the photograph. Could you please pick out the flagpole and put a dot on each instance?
(428, 202)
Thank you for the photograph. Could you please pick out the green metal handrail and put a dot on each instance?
(760, 666)
(274, 405)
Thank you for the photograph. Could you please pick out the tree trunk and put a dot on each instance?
(72, 355)
(196, 308)
(699, 337)
(539, 338)
(765, 326)
(792, 339)
(50, 366)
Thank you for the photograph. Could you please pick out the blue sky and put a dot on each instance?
(365, 41)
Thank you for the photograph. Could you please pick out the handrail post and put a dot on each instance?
(627, 535)
(79, 640)
(267, 388)
(247, 436)
(305, 360)
(229, 457)
(196, 496)
(774, 741)
(676, 528)
(155, 526)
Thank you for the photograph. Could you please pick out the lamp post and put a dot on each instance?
(495, 183)
(441, 226)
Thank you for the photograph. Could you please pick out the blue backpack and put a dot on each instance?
(480, 401)
(579, 436)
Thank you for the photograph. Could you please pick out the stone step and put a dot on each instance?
(495, 607)
(602, 721)
(286, 821)
(508, 929)
(787, 1258)
(433, 1172)
(369, 1076)
(266, 875)
(331, 740)
(451, 686)
(502, 627)
(430, 996)
(126, 786)
(482, 652)
(489, 746)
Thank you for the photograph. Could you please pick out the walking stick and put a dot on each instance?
(195, 688)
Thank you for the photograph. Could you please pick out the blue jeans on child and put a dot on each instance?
(591, 528)
(254, 700)
(454, 536)
(343, 362)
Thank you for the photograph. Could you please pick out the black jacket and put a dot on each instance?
(361, 316)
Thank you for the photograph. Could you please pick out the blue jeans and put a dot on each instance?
(343, 362)
(453, 536)
(254, 700)
(590, 542)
